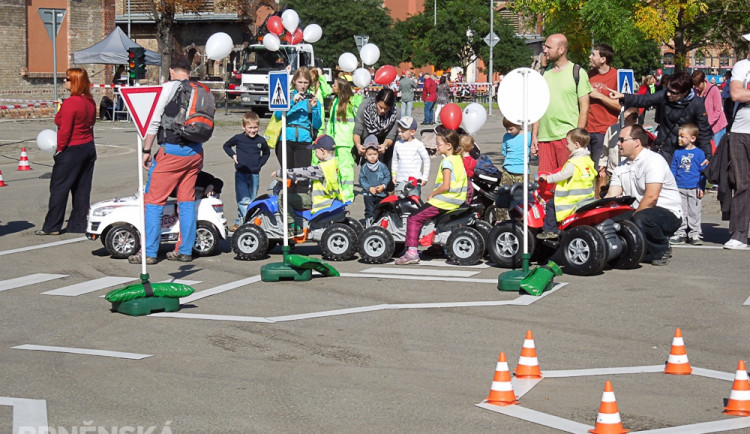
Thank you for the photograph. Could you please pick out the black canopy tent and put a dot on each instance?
(112, 50)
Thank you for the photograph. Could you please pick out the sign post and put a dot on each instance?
(491, 39)
(52, 19)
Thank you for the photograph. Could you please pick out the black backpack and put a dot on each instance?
(194, 120)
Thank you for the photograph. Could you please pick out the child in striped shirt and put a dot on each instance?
(409, 155)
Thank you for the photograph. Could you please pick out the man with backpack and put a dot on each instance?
(568, 108)
(182, 121)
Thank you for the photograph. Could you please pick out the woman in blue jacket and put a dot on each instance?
(302, 120)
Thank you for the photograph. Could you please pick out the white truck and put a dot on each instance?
(250, 81)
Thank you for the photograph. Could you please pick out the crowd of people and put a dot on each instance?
(584, 145)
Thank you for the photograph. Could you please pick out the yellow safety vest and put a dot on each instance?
(456, 195)
(325, 191)
(576, 188)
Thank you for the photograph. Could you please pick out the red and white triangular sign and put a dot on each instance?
(141, 102)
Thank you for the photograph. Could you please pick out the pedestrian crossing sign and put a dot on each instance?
(278, 91)
(626, 81)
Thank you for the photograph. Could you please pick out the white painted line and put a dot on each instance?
(329, 313)
(705, 427)
(90, 286)
(527, 299)
(603, 371)
(27, 414)
(31, 279)
(403, 277)
(451, 304)
(747, 302)
(684, 246)
(414, 272)
(538, 417)
(219, 289)
(211, 317)
(521, 386)
(710, 373)
(444, 264)
(86, 351)
(42, 246)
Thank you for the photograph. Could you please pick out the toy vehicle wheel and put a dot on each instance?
(506, 244)
(484, 229)
(465, 246)
(122, 240)
(339, 242)
(634, 246)
(250, 242)
(584, 250)
(206, 240)
(354, 224)
(490, 214)
(376, 245)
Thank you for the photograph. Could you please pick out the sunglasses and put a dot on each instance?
(66, 79)
(624, 139)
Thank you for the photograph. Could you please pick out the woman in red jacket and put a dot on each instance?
(74, 160)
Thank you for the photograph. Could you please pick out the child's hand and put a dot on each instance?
(381, 188)
(542, 177)
(234, 157)
(373, 190)
(700, 193)
(424, 182)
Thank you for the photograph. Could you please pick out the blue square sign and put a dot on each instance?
(278, 91)
(626, 81)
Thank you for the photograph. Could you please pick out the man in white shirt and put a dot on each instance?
(646, 176)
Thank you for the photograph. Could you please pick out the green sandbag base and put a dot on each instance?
(280, 271)
(541, 278)
(146, 305)
(511, 280)
(308, 263)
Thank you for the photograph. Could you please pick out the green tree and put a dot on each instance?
(342, 19)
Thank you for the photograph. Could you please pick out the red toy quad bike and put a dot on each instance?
(598, 233)
(461, 233)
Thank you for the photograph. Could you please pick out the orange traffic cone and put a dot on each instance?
(2, 183)
(677, 363)
(528, 364)
(608, 421)
(23, 163)
(739, 399)
(501, 391)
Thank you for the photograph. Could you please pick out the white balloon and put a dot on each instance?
(370, 53)
(474, 117)
(218, 46)
(46, 140)
(361, 77)
(312, 33)
(348, 62)
(290, 20)
(271, 42)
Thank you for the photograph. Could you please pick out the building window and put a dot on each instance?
(724, 59)
(668, 59)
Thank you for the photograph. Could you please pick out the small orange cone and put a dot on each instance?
(528, 364)
(677, 363)
(739, 399)
(23, 163)
(501, 391)
(2, 183)
(608, 421)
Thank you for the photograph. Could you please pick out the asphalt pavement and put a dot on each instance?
(379, 349)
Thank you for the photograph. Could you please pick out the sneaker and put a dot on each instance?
(548, 235)
(408, 258)
(695, 241)
(177, 256)
(735, 245)
(664, 260)
(41, 232)
(677, 239)
(234, 228)
(136, 259)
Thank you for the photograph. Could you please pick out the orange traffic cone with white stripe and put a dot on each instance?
(677, 363)
(528, 364)
(739, 399)
(501, 391)
(2, 183)
(23, 163)
(608, 421)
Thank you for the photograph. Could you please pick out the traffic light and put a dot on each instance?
(136, 63)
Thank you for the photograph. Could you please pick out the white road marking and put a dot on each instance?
(415, 272)
(31, 279)
(443, 263)
(603, 371)
(705, 427)
(90, 286)
(219, 289)
(403, 277)
(237, 318)
(43, 246)
(86, 351)
(27, 414)
(538, 417)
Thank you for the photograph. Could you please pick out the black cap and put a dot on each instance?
(323, 142)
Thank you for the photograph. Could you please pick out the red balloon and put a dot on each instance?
(275, 25)
(451, 115)
(385, 75)
(297, 36)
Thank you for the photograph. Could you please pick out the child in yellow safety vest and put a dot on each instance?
(575, 183)
(324, 177)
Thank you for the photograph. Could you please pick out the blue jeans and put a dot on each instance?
(406, 108)
(428, 113)
(246, 189)
(657, 225)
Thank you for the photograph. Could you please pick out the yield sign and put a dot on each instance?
(141, 102)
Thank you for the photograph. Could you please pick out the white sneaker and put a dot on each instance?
(735, 245)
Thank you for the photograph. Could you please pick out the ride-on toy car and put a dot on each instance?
(461, 232)
(263, 228)
(115, 222)
(598, 233)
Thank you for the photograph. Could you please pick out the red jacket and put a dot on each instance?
(429, 92)
(75, 122)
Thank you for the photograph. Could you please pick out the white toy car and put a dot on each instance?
(115, 222)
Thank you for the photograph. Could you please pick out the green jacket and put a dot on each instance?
(343, 132)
